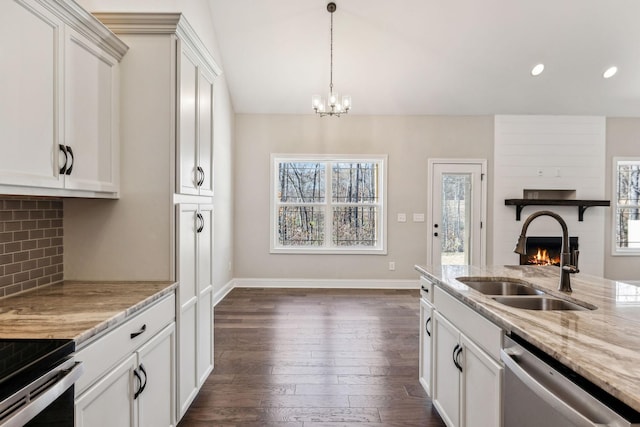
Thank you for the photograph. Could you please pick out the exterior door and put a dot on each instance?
(458, 208)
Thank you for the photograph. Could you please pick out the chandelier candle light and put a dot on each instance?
(332, 106)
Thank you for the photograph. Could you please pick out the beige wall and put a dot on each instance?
(623, 140)
(409, 142)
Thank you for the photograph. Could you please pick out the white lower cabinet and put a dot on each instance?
(426, 343)
(195, 300)
(96, 407)
(129, 377)
(459, 362)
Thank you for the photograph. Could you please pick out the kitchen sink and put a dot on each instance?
(498, 287)
(539, 302)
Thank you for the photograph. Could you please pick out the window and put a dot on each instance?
(627, 206)
(328, 204)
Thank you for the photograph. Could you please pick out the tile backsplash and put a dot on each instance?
(31, 247)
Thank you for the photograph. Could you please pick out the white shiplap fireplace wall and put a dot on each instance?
(550, 153)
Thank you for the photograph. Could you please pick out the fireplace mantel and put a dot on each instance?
(581, 204)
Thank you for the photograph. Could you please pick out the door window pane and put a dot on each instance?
(456, 219)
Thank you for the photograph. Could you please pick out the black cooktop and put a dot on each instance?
(24, 360)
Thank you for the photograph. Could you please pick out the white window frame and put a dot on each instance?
(327, 248)
(615, 250)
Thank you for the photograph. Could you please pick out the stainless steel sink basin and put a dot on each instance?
(498, 287)
(539, 303)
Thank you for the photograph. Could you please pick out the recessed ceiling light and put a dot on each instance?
(537, 70)
(610, 72)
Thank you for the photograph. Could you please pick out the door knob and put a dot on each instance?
(435, 234)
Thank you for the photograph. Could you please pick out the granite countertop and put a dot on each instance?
(602, 345)
(76, 310)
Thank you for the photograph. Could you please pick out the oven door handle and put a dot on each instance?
(37, 405)
(573, 415)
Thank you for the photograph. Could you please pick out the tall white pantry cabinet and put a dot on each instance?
(162, 227)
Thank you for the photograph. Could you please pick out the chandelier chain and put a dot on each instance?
(332, 106)
(331, 59)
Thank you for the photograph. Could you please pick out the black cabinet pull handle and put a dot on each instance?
(73, 160)
(426, 326)
(63, 169)
(139, 390)
(453, 355)
(200, 219)
(200, 176)
(144, 385)
(458, 359)
(139, 331)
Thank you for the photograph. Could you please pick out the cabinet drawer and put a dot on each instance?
(478, 328)
(108, 350)
(426, 289)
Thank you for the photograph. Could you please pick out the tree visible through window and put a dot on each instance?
(330, 205)
(627, 216)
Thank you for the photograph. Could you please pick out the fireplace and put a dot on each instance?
(545, 250)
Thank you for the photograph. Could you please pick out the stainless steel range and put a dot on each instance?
(36, 382)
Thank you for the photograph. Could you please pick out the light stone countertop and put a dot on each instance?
(602, 345)
(76, 310)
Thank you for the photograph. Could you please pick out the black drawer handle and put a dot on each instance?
(139, 331)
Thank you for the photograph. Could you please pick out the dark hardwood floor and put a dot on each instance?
(303, 358)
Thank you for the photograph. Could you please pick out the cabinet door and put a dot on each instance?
(205, 134)
(446, 375)
(110, 401)
(187, 173)
(205, 293)
(90, 115)
(481, 395)
(31, 78)
(156, 402)
(426, 338)
(188, 293)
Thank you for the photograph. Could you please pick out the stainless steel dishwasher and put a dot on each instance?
(539, 391)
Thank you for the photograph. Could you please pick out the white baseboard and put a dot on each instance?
(219, 296)
(327, 283)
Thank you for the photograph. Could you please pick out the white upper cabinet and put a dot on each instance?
(195, 162)
(29, 129)
(91, 116)
(58, 101)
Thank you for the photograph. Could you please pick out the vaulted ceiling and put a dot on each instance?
(408, 57)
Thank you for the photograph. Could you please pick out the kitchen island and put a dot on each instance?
(601, 344)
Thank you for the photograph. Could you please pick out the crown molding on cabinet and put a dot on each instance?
(86, 24)
(159, 23)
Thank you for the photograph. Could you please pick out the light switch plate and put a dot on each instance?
(402, 217)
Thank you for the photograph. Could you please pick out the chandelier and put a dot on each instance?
(333, 105)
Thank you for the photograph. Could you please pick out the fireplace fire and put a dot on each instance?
(545, 250)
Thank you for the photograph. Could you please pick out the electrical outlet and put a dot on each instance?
(392, 266)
